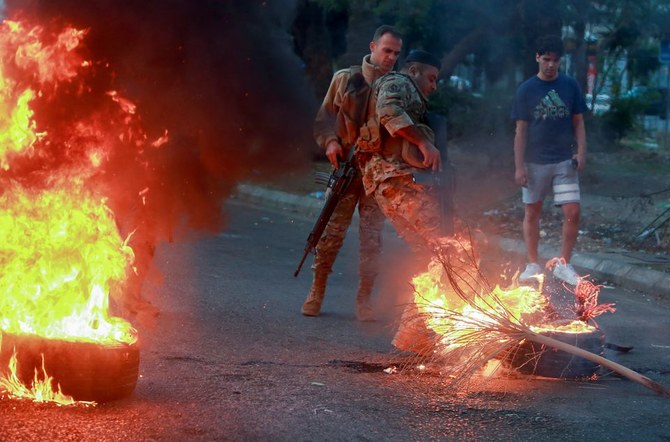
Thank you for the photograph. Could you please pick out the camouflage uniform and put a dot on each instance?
(412, 208)
(339, 118)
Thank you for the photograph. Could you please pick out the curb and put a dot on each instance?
(277, 199)
(620, 273)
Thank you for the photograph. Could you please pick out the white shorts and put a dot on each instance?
(561, 178)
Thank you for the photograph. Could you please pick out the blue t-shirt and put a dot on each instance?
(548, 107)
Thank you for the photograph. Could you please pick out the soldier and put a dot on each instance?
(401, 142)
(400, 145)
(342, 112)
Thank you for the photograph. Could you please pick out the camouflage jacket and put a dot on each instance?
(399, 104)
(341, 113)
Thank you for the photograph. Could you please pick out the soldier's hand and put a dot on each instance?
(334, 152)
(431, 156)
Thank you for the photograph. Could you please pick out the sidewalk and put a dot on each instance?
(631, 270)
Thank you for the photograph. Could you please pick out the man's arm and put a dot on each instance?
(390, 109)
(520, 140)
(580, 136)
(431, 156)
(325, 124)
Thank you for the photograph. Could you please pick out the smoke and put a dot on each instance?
(219, 76)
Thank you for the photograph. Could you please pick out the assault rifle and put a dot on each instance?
(338, 182)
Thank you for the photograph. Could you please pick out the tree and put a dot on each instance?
(312, 44)
(495, 39)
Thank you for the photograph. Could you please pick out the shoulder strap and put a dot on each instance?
(358, 88)
(356, 82)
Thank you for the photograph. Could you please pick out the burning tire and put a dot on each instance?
(85, 371)
(537, 359)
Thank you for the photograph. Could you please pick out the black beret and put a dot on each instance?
(419, 56)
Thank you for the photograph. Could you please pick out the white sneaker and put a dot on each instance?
(566, 272)
(533, 269)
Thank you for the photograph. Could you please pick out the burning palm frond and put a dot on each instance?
(587, 297)
(474, 324)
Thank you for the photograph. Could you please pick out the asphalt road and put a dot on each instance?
(231, 358)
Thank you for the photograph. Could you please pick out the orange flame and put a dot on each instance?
(61, 253)
(47, 63)
(458, 324)
(41, 389)
(42, 64)
(61, 290)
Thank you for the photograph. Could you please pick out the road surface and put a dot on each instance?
(231, 358)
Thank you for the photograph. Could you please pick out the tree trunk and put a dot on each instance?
(362, 24)
(538, 18)
(462, 48)
(579, 56)
(313, 45)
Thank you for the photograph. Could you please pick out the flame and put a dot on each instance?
(433, 297)
(577, 326)
(522, 304)
(61, 253)
(587, 295)
(47, 63)
(21, 48)
(41, 389)
(125, 104)
(17, 130)
(60, 291)
(473, 324)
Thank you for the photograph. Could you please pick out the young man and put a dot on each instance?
(548, 110)
(336, 129)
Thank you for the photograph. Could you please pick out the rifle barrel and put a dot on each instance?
(302, 261)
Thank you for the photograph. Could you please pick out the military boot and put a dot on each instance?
(312, 305)
(364, 311)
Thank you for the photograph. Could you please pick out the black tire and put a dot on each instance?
(561, 297)
(539, 360)
(85, 371)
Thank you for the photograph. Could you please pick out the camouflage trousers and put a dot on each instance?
(413, 210)
(370, 227)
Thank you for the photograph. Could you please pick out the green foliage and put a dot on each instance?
(606, 131)
(644, 61)
(629, 28)
(333, 5)
(474, 116)
(416, 23)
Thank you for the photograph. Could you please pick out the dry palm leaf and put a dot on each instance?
(483, 327)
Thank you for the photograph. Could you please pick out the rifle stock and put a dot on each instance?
(338, 183)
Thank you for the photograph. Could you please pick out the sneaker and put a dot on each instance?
(533, 269)
(566, 272)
